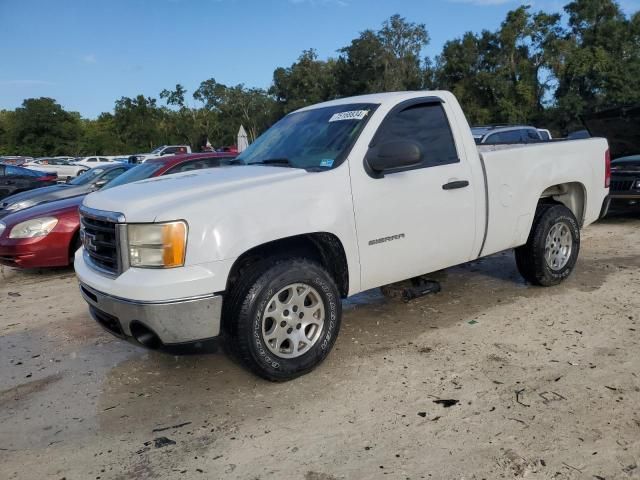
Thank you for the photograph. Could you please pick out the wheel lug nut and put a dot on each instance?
(289, 330)
(299, 326)
(283, 324)
(295, 308)
(286, 313)
(301, 315)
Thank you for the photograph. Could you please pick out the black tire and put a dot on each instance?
(248, 299)
(530, 258)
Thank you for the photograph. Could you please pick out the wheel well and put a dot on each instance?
(325, 248)
(572, 195)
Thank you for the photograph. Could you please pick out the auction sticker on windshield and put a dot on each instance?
(351, 115)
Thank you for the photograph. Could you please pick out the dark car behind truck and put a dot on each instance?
(621, 126)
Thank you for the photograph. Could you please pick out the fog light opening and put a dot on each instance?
(145, 336)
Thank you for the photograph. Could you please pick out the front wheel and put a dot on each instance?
(551, 252)
(283, 317)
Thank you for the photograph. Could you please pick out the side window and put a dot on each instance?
(111, 174)
(103, 159)
(169, 151)
(92, 160)
(212, 162)
(491, 139)
(426, 124)
(510, 136)
(2, 172)
(9, 170)
(199, 164)
(532, 135)
(185, 167)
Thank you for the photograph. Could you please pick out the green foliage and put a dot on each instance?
(536, 68)
(41, 126)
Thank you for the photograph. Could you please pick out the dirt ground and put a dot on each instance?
(545, 384)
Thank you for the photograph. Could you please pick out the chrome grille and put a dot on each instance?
(100, 238)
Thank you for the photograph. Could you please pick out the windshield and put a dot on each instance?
(158, 150)
(311, 139)
(87, 177)
(141, 172)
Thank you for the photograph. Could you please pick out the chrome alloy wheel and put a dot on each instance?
(558, 246)
(292, 321)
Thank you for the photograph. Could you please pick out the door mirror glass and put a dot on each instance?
(393, 155)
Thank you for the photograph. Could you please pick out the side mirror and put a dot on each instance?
(100, 183)
(394, 155)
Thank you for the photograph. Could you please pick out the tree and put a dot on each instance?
(99, 137)
(42, 127)
(600, 59)
(305, 82)
(137, 123)
(235, 106)
(7, 121)
(383, 61)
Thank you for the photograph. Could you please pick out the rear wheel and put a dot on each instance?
(551, 252)
(283, 317)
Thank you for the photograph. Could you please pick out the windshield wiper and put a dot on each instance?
(273, 161)
(269, 161)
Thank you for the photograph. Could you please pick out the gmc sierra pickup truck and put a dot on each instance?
(334, 199)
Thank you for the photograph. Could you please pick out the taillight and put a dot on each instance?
(607, 168)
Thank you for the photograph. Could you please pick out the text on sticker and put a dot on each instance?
(352, 115)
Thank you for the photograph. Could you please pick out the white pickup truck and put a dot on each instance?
(160, 152)
(334, 199)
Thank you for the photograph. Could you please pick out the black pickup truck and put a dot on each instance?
(621, 126)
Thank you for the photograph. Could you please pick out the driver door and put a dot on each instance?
(414, 220)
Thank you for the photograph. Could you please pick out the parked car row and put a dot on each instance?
(40, 228)
(63, 168)
(67, 168)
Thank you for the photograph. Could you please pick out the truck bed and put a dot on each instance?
(518, 175)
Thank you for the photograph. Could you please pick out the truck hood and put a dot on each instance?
(620, 126)
(155, 199)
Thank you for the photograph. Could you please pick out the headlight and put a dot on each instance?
(157, 245)
(14, 207)
(38, 227)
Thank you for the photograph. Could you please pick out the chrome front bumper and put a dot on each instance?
(177, 321)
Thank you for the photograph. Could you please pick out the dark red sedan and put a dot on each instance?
(48, 235)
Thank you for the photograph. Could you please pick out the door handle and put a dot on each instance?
(456, 184)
